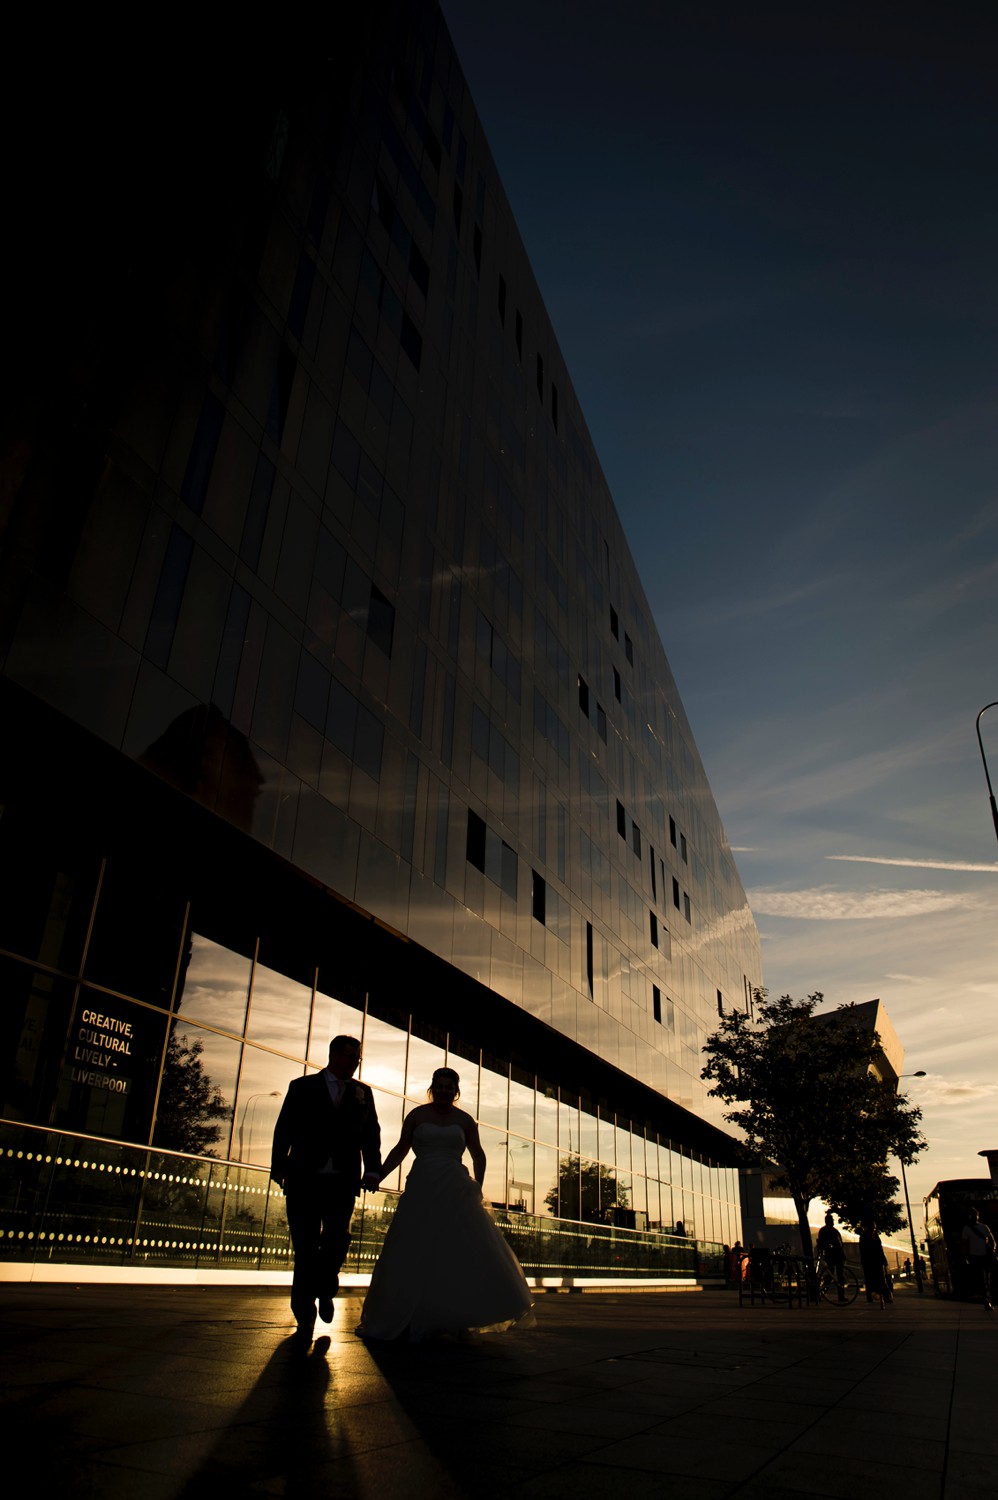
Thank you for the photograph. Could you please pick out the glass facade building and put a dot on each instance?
(332, 698)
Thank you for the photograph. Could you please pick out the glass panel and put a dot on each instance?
(383, 1063)
(108, 1078)
(48, 897)
(607, 1147)
(331, 1017)
(427, 1052)
(493, 1099)
(588, 1139)
(465, 1062)
(215, 987)
(135, 943)
(622, 1138)
(547, 1114)
(279, 1011)
(494, 1145)
(568, 1181)
(262, 1085)
(389, 1110)
(521, 1106)
(196, 1096)
(546, 1180)
(34, 1024)
(568, 1124)
(521, 1175)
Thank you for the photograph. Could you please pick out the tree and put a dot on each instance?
(806, 1099)
(587, 1189)
(189, 1101)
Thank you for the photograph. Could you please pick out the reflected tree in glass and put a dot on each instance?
(191, 1107)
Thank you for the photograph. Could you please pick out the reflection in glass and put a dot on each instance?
(568, 1125)
(199, 1091)
(110, 1066)
(34, 1022)
(383, 1063)
(493, 1096)
(425, 1056)
(263, 1083)
(521, 1107)
(569, 1188)
(521, 1175)
(215, 988)
(331, 1017)
(547, 1113)
(546, 1180)
(494, 1145)
(278, 1011)
(607, 1138)
(587, 1143)
(389, 1110)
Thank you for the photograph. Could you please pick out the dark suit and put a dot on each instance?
(311, 1132)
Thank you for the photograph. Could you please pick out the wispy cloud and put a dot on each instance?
(828, 904)
(744, 849)
(937, 1090)
(915, 864)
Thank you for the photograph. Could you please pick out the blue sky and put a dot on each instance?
(768, 249)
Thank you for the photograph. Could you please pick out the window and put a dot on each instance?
(584, 696)
(675, 892)
(656, 1003)
(475, 852)
(653, 928)
(628, 648)
(589, 957)
(538, 897)
(686, 908)
(720, 1003)
(380, 620)
(621, 820)
(601, 722)
(616, 684)
(682, 848)
(672, 832)
(614, 624)
(636, 839)
(654, 883)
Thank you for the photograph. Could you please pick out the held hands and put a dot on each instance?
(371, 1181)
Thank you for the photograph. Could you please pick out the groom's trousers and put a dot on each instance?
(319, 1213)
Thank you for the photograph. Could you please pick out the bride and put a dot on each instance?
(445, 1267)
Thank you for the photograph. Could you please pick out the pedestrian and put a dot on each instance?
(327, 1122)
(871, 1253)
(979, 1256)
(832, 1251)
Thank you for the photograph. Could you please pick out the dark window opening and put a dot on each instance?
(601, 722)
(672, 832)
(621, 820)
(411, 340)
(675, 893)
(589, 957)
(687, 913)
(476, 841)
(654, 882)
(656, 1003)
(584, 696)
(614, 624)
(380, 620)
(419, 269)
(636, 839)
(628, 648)
(653, 928)
(538, 897)
(616, 684)
(682, 848)
(720, 1003)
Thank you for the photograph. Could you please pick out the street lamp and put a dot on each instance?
(264, 1094)
(987, 778)
(907, 1203)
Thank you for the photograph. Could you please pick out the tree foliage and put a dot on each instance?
(189, 1101)
(804, 1095)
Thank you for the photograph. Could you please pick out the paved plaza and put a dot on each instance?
(113, 1391)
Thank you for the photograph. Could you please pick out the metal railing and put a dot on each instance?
(77, 1199)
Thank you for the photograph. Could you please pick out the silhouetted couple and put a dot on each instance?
(445, 1267)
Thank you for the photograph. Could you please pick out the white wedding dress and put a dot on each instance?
(445, 1267)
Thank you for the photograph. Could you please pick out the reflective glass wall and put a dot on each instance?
(303, 519)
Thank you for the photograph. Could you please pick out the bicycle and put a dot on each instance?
(840, 1293)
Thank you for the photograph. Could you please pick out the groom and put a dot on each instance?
(326, 1122)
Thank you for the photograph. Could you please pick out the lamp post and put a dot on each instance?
(907, 1203)
(987, 778)
(263, 1094)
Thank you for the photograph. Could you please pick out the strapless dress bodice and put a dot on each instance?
(430, 1139)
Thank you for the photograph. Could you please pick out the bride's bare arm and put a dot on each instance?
(475, 1151)
(403, 1146)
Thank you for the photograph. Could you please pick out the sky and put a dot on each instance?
(768, 245)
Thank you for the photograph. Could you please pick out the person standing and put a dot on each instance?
(445, 1267)
(327, 1122)
(871, 1253)
(832, 1252)
(979, 1255)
